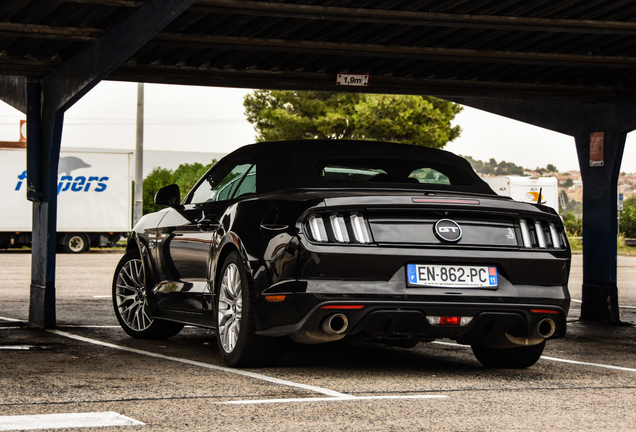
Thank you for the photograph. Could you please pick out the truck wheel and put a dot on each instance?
(75, 243)
(508, 358)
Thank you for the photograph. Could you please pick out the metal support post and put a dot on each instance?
(138, 208)
(43, 242)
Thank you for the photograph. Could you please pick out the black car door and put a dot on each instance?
(186, 236)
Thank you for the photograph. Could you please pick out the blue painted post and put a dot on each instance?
(43, 240)
(600, 290)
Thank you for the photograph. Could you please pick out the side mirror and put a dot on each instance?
(169, 196)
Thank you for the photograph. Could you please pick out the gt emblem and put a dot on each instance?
(447, 230)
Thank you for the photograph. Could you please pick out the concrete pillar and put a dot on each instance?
(600, 290)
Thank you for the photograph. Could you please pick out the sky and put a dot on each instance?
(209, 119)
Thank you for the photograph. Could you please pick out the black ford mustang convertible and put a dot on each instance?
(321, 240)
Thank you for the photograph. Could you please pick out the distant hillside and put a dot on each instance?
(492, 167)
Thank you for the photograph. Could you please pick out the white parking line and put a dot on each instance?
(89, 326)
(334, 395)
(17, 347)
(555, 359)
(63, 421)
(205, 365)
(588, 364)
(620, 306)
(330, 399)
(451, 344)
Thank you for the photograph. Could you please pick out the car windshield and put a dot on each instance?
(391, 171)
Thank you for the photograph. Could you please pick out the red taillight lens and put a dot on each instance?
(454, 321)
(544, 311)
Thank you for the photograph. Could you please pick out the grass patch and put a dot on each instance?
(576, 244)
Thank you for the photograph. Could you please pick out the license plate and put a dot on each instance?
(452, 276)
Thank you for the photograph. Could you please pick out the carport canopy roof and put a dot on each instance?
(582, 50)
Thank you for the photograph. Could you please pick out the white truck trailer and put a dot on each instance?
(94, 192)
(527, 189)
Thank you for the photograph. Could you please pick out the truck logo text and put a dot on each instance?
(74, 184)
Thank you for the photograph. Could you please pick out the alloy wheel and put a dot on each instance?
(130, 295)
(230, 310)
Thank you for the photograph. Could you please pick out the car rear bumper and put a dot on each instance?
(391, 310)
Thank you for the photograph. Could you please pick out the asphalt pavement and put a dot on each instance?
(586, 381)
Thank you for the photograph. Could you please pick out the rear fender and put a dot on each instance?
(228, 243)
(141, 246)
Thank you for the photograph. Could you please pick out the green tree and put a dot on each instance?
(628, 217)
(573, 225)
(628, 222)
(508, 168)
(575, 207)
(630, 201)
(287, 115)
(567, 183)
(186, 175)
(158, 178)
(492, 167)
(551, 168)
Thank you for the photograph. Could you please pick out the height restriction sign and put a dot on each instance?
(596, 148)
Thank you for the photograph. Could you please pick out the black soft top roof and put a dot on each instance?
(285, 165)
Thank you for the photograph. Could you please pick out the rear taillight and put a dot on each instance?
(540, 234)
(449, 320)
(317, 228)
(344, 228)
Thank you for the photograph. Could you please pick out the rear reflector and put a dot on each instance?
(449, 320)
(275, 298)
(342, 307)
(544, 311)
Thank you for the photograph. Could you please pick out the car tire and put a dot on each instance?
(75, 243)
(131, 303)
(238, 343)
(508, 358)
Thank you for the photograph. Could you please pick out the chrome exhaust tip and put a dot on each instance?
(335, 324)
(545, 328)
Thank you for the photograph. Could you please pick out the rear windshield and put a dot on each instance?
(391, 171)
